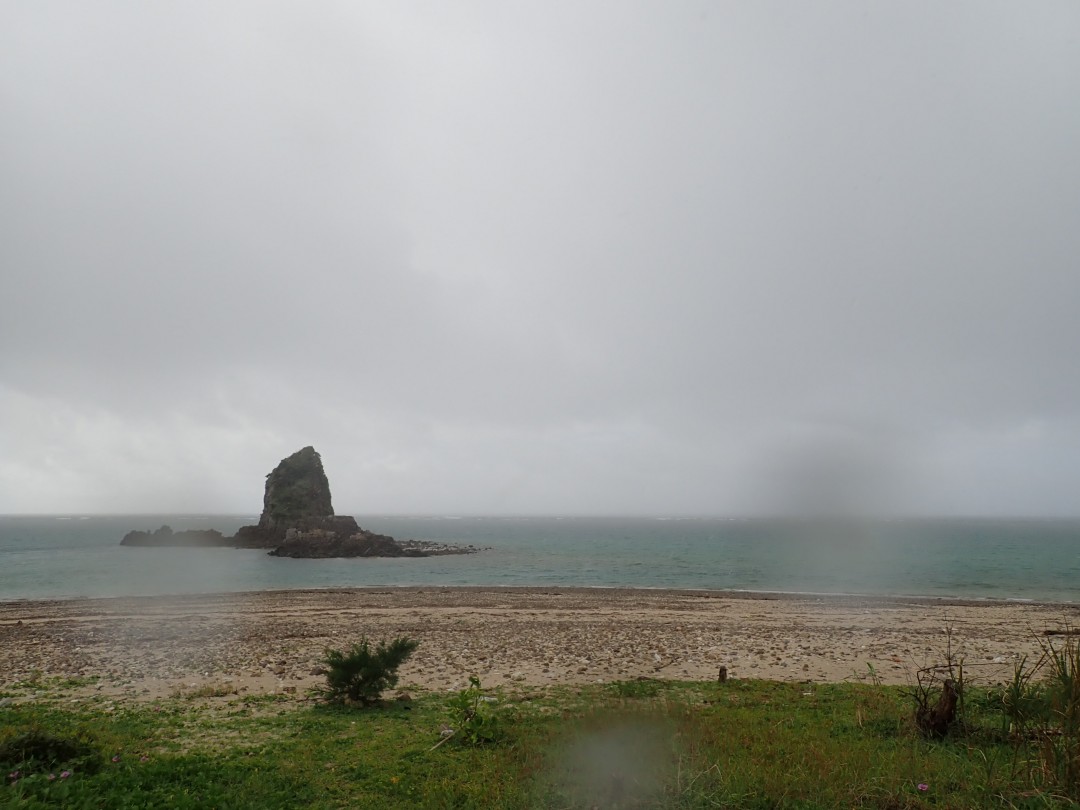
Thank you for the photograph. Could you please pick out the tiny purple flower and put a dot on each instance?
(51, 777)
(116, 758)
(144, 758)
(14, 776)
(65, 774)
(923, 786)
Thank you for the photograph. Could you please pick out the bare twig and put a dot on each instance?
(444, 739)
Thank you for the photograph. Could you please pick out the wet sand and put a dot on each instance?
(271, 642)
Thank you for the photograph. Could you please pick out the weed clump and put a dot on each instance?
(474, 721)
(361, 674)
(1038, 710)
(38, 751)
(1042, 704)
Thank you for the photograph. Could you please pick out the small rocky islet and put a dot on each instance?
(298, 520)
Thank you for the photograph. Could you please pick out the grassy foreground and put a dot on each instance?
(740, 744)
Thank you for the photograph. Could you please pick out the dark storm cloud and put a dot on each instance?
(590, 257)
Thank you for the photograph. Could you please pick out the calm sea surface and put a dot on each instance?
(73, 556)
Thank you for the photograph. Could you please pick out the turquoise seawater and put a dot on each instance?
(72, 556)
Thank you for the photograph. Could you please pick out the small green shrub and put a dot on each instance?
(473, 721)
(361, 674)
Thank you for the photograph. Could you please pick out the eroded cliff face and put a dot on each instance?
(296, 489)
(296, 496)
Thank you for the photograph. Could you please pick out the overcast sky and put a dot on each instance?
(570, 257)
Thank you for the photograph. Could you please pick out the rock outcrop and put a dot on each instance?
(324, 543)
(297, 495)
(165, 536)
(298, 520)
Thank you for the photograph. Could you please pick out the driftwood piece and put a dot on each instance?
(936, 721)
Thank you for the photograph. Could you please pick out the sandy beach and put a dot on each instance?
(271, 642)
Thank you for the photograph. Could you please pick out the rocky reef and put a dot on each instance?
(165, 536)
(325, 543)
(298, 520)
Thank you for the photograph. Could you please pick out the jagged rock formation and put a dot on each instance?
(298, 520)
(297, 495)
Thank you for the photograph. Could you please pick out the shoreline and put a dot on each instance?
(723, 593)
(271, 642)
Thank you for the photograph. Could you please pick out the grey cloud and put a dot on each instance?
(477, 247)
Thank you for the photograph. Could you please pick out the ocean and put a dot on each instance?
(58, 557)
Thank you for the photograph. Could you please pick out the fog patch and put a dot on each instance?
(181, 620)
(834, 474)
(163, 639)
(619, 762)
(833, 492)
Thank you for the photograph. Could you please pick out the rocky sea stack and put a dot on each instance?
(298, 520)
(297, 496)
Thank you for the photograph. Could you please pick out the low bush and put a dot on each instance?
(473, 720)
(362, 674)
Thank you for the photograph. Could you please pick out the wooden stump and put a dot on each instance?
(936, 721)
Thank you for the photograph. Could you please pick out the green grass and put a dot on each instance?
(638, 744)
